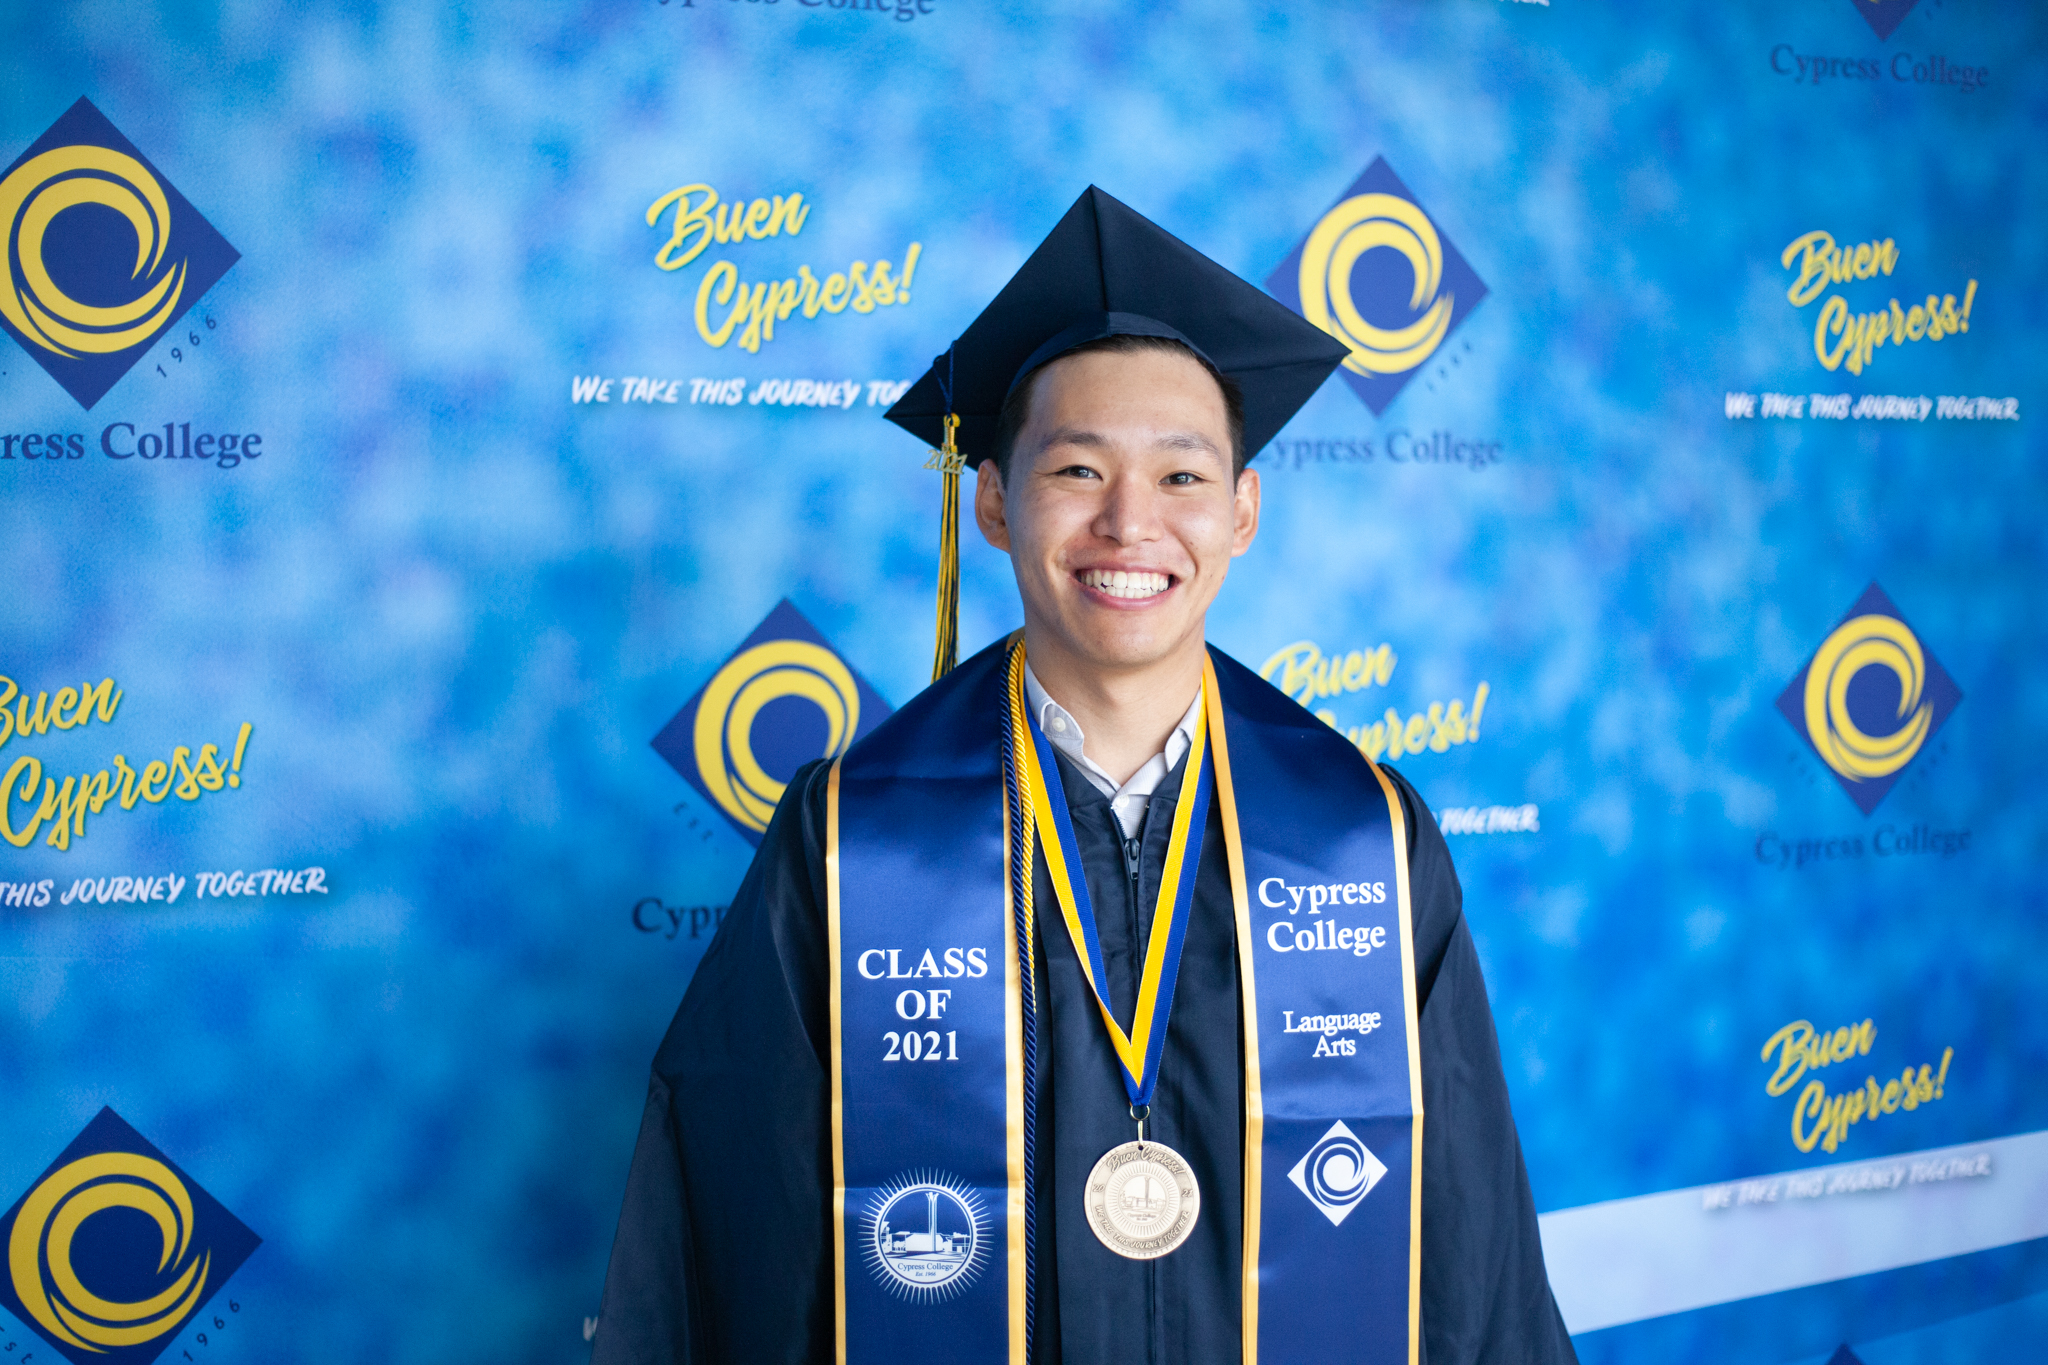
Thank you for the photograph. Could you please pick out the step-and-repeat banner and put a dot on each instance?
(445, 495)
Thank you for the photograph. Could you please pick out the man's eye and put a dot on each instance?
(1183, 478)
(1078, 471)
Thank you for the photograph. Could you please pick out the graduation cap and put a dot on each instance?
(1105, 270)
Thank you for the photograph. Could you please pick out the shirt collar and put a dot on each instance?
(1128, 800)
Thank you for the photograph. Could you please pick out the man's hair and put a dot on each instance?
(1017, 407)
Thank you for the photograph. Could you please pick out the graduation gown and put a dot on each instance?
(723, 1249)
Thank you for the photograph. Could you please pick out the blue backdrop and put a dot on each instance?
(412, 412)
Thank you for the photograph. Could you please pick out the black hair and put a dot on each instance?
(1017, 407)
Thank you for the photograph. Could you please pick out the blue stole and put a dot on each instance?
(929, 936)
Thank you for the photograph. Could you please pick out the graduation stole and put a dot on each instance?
(933, 830)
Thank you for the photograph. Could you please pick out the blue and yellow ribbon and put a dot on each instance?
(1139, 1050)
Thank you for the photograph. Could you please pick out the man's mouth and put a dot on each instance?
(1130, 584)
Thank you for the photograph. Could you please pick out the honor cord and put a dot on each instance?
(1023, 843)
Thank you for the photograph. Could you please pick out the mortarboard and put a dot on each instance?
(1105, 270)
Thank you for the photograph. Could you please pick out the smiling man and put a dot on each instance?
(1102, 1005)
(1128, 507)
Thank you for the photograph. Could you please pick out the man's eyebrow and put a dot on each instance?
(1081, 436)
(1074, 436)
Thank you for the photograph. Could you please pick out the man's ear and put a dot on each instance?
(1244, 512)
(990, 512)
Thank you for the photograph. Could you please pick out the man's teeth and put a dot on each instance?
(1119, 583)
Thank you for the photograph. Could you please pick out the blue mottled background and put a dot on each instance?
(456, 606)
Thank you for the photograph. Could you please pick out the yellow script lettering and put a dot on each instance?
(699, 220)
(29, 773)
(756, 308)
(691, 231)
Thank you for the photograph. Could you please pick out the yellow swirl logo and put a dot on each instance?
(43, 187)
(785, 697)
(1859, 643)
(1869, 698)
(80, 301)
(1358, 225)
(1378, 274)
(725, 720)
(113, 1249)
(39, 1251)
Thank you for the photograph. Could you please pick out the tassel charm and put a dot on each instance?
(948, 460)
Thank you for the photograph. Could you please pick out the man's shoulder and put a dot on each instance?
(924, 737)
(1254, 698)
(1258, 700)
(1300, 741)
(1422, 825)
(1411, 796)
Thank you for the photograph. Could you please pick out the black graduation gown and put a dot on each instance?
(723, 1252)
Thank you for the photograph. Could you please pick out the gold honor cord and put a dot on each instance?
(948, 460)
(1019, 835)
(837, 1005)
(1131, 1048)
(1026, 837)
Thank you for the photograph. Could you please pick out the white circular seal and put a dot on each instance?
(927, 1236)
(1142, 1200)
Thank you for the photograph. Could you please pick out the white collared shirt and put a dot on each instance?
(1128, 801)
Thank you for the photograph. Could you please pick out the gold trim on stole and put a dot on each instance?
(1400, 828)
(1254, 1099)
(1013, 1089)
(838, 1091)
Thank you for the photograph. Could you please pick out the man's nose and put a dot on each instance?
(1130, 512)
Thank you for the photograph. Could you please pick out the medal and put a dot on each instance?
(1142, 1198)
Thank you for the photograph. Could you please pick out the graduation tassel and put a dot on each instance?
(949, 462)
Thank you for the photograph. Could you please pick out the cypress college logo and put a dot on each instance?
(1869, 699)
(926, 1235)
(1337, 1173)
(103, 254)
(113, 1249)
(784, 698)
(1378, 274)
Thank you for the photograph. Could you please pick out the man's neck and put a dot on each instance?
(1126, 714)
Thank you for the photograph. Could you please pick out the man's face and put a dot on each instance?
(1120, 514)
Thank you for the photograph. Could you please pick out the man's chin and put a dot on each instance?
(1125, 650)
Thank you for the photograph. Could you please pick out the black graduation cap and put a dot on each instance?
(1106, 270)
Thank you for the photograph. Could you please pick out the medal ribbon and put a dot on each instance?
(1138, 1051)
